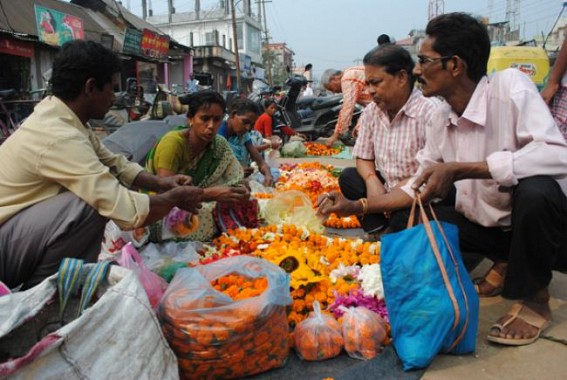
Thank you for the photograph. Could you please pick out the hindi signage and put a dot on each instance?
(154, 46)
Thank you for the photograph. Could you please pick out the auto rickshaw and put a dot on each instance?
(531, 60)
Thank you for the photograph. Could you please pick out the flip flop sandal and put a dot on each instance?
(494, 279)
(524, 313)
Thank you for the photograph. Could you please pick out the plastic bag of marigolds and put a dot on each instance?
(227, 319)
(364, 332)
(319, 336)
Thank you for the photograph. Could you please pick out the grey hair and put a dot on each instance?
(327, 75)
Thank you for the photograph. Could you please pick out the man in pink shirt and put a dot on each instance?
(351, 84)
(496, 149)
(392, 130)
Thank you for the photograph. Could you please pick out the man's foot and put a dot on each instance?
(522, 325)
(492, 283)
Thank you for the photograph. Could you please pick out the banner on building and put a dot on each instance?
(56, 28)
(16, 47)
(154, 46)
(132, 42)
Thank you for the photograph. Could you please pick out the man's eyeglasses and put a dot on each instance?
(423, 60)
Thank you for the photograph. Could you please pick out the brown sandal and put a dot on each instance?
(526, 314)
(492, 278)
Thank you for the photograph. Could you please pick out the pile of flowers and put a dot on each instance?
(316, 149)
(314, 179)
(333, 271)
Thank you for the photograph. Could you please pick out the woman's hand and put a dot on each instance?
(248, 170)
(170, 182)
(268, 180)
(549, 92)
(335, 202)
(227, 194)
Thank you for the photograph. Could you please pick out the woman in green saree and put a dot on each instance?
(197, 150)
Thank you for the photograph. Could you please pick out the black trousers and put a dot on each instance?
(353, 187)
(536, 244)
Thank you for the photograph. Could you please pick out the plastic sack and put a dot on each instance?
(216, 337)
(153, 284)
(294, 149)
(364, 332)
(432, 304)
(293, 207)
(115, 238)
(165, 258)
(319, 336)
(117, 337)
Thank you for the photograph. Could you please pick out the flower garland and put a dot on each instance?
(316, 149)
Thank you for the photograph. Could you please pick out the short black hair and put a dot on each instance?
(203, 100)
(462, 35)
(76, 62)
(392, 58)
(383, 39)
(242, 106)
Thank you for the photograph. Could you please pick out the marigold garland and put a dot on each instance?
(317, 149)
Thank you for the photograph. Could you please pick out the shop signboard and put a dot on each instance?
(15, 47)
(154, 46)
(56, 28)
(132, 42)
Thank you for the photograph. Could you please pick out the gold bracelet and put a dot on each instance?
(364, 203)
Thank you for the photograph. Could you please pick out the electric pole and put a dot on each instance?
(235, 38)
(267, 44)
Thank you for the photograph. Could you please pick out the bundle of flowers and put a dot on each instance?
(316, 264)
(317, 149)
(314, 179)
(333, 221)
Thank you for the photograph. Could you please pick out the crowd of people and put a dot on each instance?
(487, 152)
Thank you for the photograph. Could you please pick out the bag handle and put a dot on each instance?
(429, 231)
(68, 278)
(97, 274)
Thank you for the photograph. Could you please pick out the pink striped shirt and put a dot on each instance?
(353, 88)
(394, 144)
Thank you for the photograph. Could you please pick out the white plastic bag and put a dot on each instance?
(116, 338)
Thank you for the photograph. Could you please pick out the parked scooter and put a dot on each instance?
(318, 115)
(128, 106)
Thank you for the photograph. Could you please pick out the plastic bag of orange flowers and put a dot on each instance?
(227, 319)
(319, 336)
(364, 331)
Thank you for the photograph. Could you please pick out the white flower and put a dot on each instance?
(343, 271)
(371, 280)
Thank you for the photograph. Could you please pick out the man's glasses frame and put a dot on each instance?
(423, 60)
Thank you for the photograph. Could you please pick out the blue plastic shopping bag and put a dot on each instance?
(431, 301)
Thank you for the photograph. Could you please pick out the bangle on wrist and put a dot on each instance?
(364, 203)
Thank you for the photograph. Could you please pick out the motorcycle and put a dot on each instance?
(312, 117)
(128, 106)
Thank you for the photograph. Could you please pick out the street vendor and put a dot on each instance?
(198, 151)
(59, 185)
(242, 115)
(392, 131)
(497, 160)
(351, 83)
